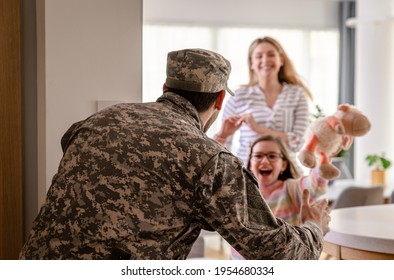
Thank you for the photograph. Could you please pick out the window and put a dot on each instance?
(315, 54)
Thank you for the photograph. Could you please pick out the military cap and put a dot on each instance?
(197, 70)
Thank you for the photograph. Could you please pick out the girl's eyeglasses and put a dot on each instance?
(272, 157)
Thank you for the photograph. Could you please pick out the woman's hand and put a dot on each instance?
(249, 120)
(261, 129)
(229, 126)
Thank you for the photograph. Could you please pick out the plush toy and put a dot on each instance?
(327, 136)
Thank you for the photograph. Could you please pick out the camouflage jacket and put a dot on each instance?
(145, 179)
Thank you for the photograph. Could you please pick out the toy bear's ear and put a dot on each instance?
(343, 107)
(335, 124)
(347, 142)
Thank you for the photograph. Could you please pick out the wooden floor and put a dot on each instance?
(210, 245)
(216, 248)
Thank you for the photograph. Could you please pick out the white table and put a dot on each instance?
(361, 233)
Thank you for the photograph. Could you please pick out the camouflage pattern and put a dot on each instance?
(197, 70)
(145, 179)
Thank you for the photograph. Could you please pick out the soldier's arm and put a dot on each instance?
(227, 198)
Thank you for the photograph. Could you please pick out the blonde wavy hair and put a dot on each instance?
(286, 73)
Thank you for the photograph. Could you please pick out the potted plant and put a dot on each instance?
(379, 164)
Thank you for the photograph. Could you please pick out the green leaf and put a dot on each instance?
(378, 162)
(385, 163)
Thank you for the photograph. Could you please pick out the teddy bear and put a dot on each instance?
(327, 136)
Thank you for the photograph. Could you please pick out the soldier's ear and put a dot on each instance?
(219, 101)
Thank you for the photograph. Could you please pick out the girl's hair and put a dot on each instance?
(286, 73)
(291, 171)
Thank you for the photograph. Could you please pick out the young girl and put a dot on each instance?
(279, 182)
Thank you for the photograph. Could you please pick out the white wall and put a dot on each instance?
(374, 82)
(263, 13)
(89, 50)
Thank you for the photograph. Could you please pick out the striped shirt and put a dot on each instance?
(289, 114)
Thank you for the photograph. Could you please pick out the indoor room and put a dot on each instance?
(72, 58)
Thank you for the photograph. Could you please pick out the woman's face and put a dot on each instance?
(266, 162)
(266, 60)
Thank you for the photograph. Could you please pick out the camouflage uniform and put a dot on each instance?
(145, 179)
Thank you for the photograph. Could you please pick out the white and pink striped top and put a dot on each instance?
(289, 114)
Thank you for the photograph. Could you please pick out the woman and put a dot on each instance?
(274, 102)
(278, 179)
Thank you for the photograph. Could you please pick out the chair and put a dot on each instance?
(391, 199)
(359, 196)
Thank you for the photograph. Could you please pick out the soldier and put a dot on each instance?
(140, 181)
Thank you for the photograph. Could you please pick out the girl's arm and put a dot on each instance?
(314, 183)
